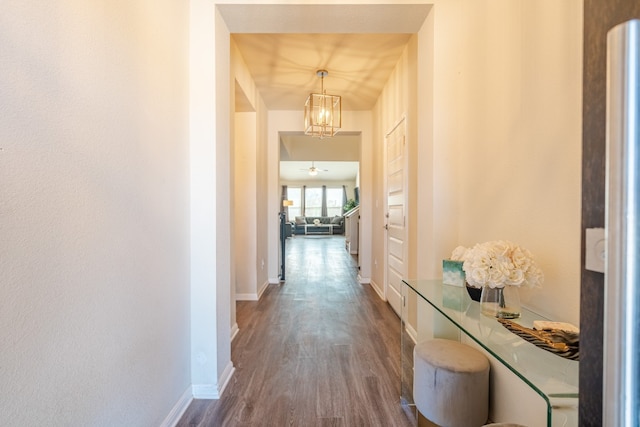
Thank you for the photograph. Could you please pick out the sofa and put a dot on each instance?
(336, 221)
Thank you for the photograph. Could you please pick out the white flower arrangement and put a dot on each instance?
(316, 222)
(497, 264)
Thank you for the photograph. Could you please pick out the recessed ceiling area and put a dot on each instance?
(283, 66)
(284, 45)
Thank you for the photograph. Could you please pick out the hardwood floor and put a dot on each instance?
(318, 350)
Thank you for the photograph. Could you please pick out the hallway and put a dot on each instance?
(318, 350)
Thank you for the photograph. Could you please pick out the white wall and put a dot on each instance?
(250, 278)
(245, 208)
(507, 137)
(94, 212)
(494, 151)
(210, 160)
(396, 104)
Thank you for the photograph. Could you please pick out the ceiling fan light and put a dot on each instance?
(313, 171)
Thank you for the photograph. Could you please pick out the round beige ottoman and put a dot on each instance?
(451, 383)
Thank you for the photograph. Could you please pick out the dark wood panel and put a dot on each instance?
(319, 350)
(599, 17)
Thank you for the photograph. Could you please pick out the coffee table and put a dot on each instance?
(310, 229)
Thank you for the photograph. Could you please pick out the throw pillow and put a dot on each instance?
(300, 220)
(336, 220)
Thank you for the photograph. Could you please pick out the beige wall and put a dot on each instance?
(245, 207)
(502, 155)
(506, 137)
(250, 187)
(94, 212)
(396, 103)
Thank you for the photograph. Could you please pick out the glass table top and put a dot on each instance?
(554, 378)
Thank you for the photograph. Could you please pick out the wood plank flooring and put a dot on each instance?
(319, 350)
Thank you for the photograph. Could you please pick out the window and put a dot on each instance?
(334, 201)
(313, 202)
(295, 195)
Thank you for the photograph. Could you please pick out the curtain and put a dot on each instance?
(324, 201)
(302, 202)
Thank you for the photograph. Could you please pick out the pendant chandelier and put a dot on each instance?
(322, 112)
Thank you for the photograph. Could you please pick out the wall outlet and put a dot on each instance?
(595, 249)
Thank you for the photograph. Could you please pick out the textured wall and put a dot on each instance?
(94, 271)
(599, 17)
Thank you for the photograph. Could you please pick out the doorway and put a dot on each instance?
(212, 265)
(395, 242)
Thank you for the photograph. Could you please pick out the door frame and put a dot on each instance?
(402, 121)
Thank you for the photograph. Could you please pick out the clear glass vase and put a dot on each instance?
(502, 302)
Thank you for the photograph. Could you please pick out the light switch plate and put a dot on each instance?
(595, 249)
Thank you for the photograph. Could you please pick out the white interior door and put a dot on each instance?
(395, 226)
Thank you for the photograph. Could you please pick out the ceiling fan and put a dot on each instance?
(313, 170)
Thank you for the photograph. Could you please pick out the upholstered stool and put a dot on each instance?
(451, 383)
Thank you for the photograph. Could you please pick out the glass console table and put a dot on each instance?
(433, 310)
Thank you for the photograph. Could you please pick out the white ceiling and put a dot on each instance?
(284, 66)
(329, 171)
(284, 45)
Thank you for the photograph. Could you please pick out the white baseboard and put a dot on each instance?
(364, 280)
(234, 331)
(378, 290)
(411, 331)
(273, 281)
(262, 289)
(205, 391)
(213, 391)
(253, 296)
(178, 409)
(226, 377)
(246, 297)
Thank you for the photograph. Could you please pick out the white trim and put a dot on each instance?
(234, 330)
(386, 288)
(247, 297)
(379, 291)
(254, 296)
(413, 334)
(364, 280)
(396, 125)
(205, 391)
(226, 377)
(213, 391)
(273, 281)
(262, 289)
(178, 409)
